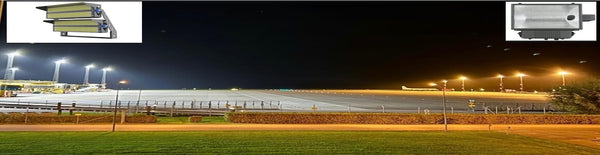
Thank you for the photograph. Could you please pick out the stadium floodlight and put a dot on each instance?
(501, 85)
(57, 68)
(67, 18)
(9, 64)
(87, 74)
(104, 70)
(548, 21)
(13, 72)
(520, 75)
(562, 74)
(462, 85)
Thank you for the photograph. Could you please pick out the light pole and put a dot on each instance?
(122, 82)
(104, 70)
(13, 72)
(9, 64)
(501, 83)
(57, 69)
(562, 74)
(463, 82)
(87, 74)
(443, 103)
(521, 79)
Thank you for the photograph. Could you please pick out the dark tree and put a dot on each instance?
(582, 98)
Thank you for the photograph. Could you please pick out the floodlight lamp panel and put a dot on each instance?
(87, 25)
(563, 73)
(546, 16)
(14, 54)
(60, 61)
(79, 17)
(548, 21)
(72, 10)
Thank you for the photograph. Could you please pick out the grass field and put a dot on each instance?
(280, 142)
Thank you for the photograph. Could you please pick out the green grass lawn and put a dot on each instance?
(282, 142)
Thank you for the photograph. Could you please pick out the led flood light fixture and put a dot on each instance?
(79, 17)
(548, 21)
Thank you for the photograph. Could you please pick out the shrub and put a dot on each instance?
(195, 119)
(401, 118)
(44, 118)
(582, 98)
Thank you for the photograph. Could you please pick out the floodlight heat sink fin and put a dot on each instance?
(548, 21)
(67, 18)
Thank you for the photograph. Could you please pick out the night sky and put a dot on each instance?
(317, 45)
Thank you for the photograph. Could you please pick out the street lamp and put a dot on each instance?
(443, 103)
(57, 68)
(13, 72)
(463, 82)
(501, 83)
(562, 74)
(122, 82)
(87, 74)
(104, 70)
(9, 64)
(521, 79)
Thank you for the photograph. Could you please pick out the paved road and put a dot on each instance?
(576, 134)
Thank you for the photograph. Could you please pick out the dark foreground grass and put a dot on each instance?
(281, 142)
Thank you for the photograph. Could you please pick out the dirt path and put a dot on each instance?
(577, 134)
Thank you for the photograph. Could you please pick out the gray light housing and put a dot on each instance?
(79, 17)
(548, 21)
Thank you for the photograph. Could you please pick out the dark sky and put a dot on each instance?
(345, 45)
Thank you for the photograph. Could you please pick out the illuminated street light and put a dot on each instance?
(501, 83)
(57, 68)
(443, 102)
(87, 74)
(562, 74)
(463, 82)
(122, 82)
(9, 64)
(13, 72)
(521, 79)
(444, 105)
(104, 70)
